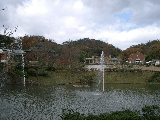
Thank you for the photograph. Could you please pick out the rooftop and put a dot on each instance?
(18, 52)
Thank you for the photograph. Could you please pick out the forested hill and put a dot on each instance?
(86, 45)
(94, 47)
(146, 45)
(151, 50)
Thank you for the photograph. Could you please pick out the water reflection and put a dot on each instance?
(47, 102)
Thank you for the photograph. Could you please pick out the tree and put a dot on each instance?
(154, 51)
(84, 55)
(149, 57)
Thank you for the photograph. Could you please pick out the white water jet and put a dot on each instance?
(100, 76)
(102, 63)
(21, 48)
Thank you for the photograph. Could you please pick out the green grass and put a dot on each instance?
(60, 77)
(127, 77)
(65, 76)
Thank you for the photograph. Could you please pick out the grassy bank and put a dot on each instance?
(62, 77)
(128, 77)
(65, 76)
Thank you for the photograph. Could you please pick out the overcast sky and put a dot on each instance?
(121, 23)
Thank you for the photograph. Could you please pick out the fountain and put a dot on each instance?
(102, 65)
(100, 74)
(21, 48)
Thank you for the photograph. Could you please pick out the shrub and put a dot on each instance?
(51, 68)
(1, 64)
(87, 78)
(19, 73)
(18, 66)
(122, 70)
(32, 72)
(26, 68)
(71, 115)
(136, 70)
(26, 74)
(130, 65)
(41, 72)
(83, 69)
(155, 77)
(151, 112)
(119, 115)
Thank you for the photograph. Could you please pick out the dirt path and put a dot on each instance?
(147, 68)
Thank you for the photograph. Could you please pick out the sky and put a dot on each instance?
(122, 23)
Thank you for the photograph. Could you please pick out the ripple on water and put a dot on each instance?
(48, 102)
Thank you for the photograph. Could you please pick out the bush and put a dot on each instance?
(32, 72)
(119, 115)
(87, 78)
(50, 68)
(71, 115)
(130, 65)
(41, 72)
(150, 112)
(123, 70)
(26, 68)
(26, 74)
(1, 64)
(136, 70)
(155, 77)
(19, 73)
(18, 66)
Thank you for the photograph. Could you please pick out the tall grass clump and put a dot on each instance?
(149, 113)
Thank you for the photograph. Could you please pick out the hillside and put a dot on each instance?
(86, 47)
(151, 50)
(94, 47)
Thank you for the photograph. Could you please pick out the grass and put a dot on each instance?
(65, 76)
(127, 77)
(61, 77)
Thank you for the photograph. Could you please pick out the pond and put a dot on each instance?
(47, 102)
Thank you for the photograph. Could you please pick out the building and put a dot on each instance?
(93, 60)
(114, 61)
(107, 60)
(137, 58)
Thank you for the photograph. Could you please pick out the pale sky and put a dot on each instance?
(121, 23)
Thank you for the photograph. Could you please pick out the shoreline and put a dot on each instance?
(78, 83)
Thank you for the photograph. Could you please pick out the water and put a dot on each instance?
(47, 102)
(100, 75)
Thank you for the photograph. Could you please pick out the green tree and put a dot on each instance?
(84, 55)
(149, 57)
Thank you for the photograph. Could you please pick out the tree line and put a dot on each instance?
(70, 52)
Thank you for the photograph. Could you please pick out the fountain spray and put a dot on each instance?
(102, 63)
